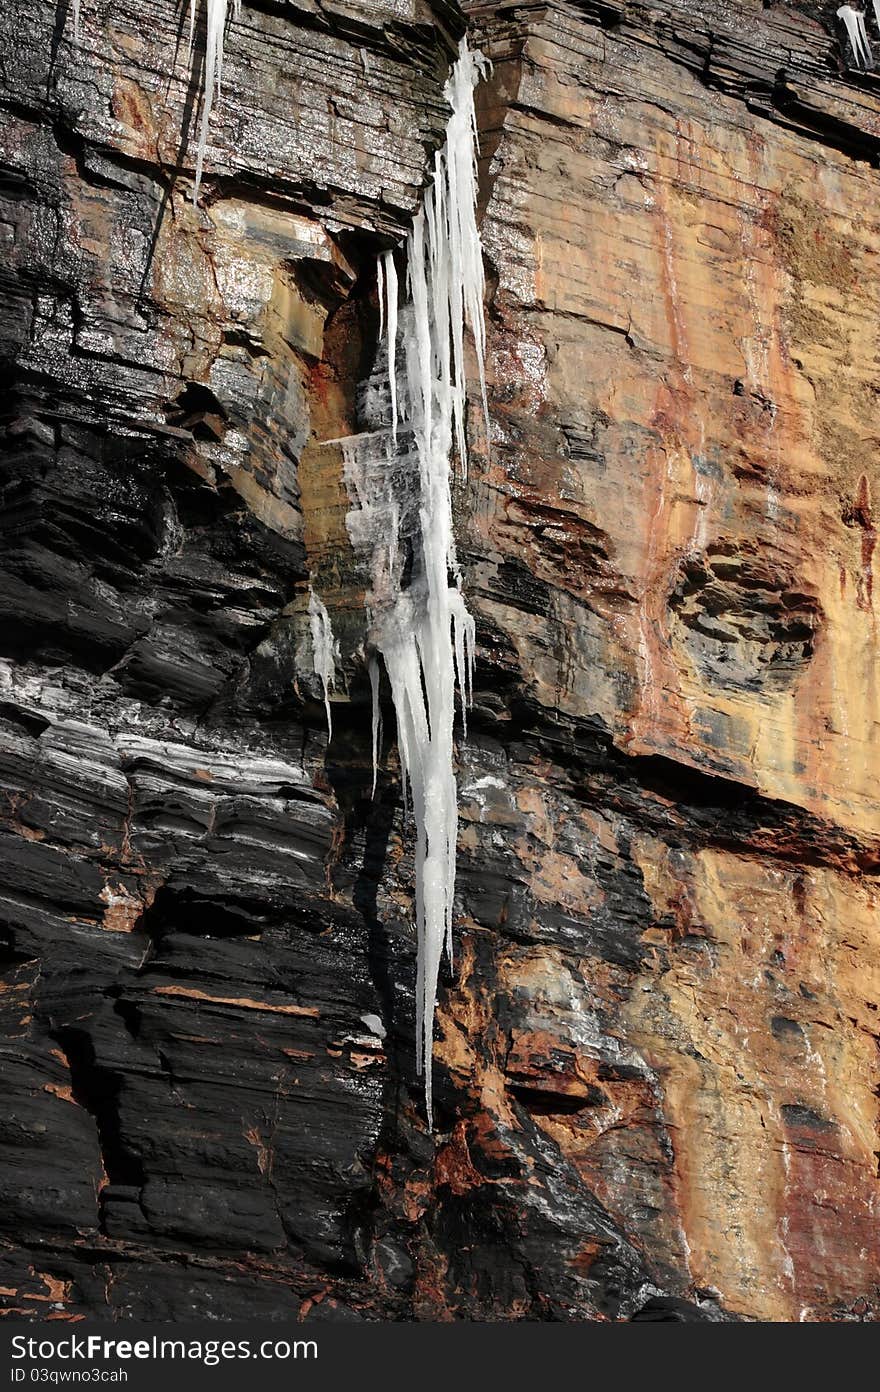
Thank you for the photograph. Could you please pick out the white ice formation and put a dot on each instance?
(215, 30)
(325, 650)
(854, 23)
(400, 483)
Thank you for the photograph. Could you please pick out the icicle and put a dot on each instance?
(854, 23)
(401, 485)
(325, 650)
(192, 32)
(464, 631)
(75, 8)
(215, 25)
(373, 669)
(390, 282)
(468, 286)
(380, 282)
(877, 12)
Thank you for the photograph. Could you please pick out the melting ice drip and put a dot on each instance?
(854, 23)
(400, 480)
(215, 28)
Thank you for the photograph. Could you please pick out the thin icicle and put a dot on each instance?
(373, 669)
(467, 288)
(464, 631)
(216, 22)
(380, 282)
(391, 289)
(75, 7)
(402, 488)
(854, 23)
(215, 28)
(325, 651)
(192, 32)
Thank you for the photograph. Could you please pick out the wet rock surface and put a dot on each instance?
(656, 1062)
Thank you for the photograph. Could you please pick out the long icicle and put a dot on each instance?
(373, 669)
(389, 279)
(214, 31)
(424, 631)
(380, 282)
(191, 37)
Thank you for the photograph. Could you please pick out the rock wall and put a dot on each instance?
(656, 1064)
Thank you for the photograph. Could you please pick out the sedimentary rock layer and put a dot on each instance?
(656, 1064)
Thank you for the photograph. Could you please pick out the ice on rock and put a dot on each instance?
(325, 650)
(854, 23)
(374, 1025)
(399, 481)
(215, 29)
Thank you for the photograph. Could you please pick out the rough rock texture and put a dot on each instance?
(657, 1069)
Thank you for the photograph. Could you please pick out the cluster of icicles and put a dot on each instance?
(215, 29)
(853, 22)
(424, 631)
(399, 479)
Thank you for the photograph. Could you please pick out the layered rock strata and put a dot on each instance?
(656, 1063)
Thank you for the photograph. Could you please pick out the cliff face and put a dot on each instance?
(656, 1065)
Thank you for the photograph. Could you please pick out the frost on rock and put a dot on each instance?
(325, 650)
(854, 23)
(399, 482)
